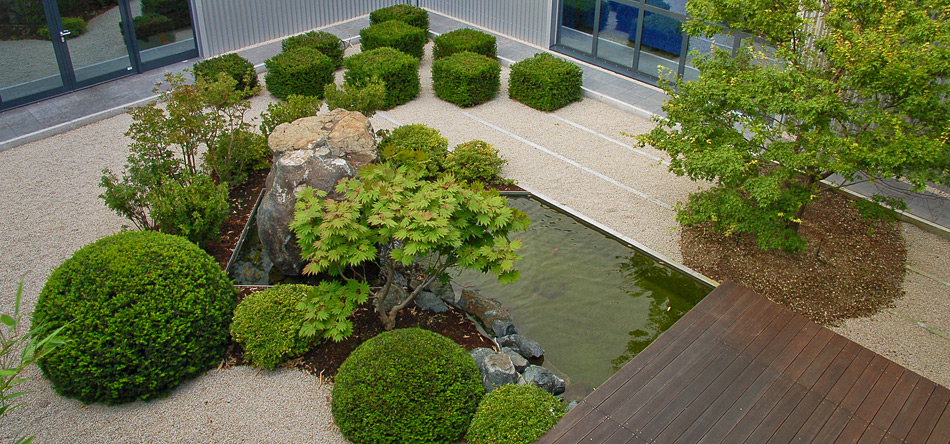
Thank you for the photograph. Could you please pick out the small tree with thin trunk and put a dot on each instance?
(449, 223)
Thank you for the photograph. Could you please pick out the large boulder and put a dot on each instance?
(543, 378)
(317, 152)
(496, 368)
(483, 308)
(525, 346)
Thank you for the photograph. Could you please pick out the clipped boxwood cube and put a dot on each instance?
(235, 66)
(466, 78)
(398, 70)
(325, 42)
(464, 39)
(412, 15)
(394, 34)
(302, 71)
(545, 82)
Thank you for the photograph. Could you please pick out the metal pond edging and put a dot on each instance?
(240, 242)
(655, 255)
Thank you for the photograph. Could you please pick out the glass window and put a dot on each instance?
(661, 44)
(577, 24)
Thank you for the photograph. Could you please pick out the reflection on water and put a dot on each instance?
(590, 300)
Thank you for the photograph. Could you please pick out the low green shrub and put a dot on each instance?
(466, 78)
(194, 209)
(464, 39)
(415, 144)
(325, 42)
(398, 70)
(406, 386)
(545, 82)
(365, 98)
(302, 71)
(148, 25)
(176, 10)
(143, 311)
(295, 107)
(266, 324)
(235, 66)
(394, 34)
(476, 161)
(514, 414)
(409, 14)
(75, 25)
(236, 154)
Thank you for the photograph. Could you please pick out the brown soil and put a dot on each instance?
(241, 201)
(852, 267)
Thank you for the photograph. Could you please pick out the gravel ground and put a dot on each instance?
(49, 208)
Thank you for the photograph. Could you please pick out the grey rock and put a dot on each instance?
(479, 354)
(543, 378)
(519, 361)
(428, 301)
(343, 134)
(498, 371)
(485, 309)
(524, 346)
(571, 405)
(503, 328)
(394, 297)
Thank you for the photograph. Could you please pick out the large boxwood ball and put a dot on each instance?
(466, 78)
(398, 70)
(143, 312)
(406, 386)
(515, 414)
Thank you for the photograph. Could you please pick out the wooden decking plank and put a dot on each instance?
(775, 417)
(853, 431)
(882, 389)
(891, 439)
(796, 420)
(771, 334)
(912, 408)
(872, 435)
(858, 366)
(581, 429)
(941, 432)
(931, 413)
(567, 421)
(621, 436)
(788, 353)
(808, 354)
(833, 426)
(863, 385)
(823, 361)
(813, 425)
(747, 327)
(767, 381)
(773, 349)
(605, 430)
(895, 400)
(837, 368)
(755, 413)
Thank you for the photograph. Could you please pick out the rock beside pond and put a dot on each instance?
(496, 368)
(394, 297)
(427, 300)
(485, 309)
(517, 360)
(345, 134)
(543, 378)
(526, 347)
(503, 328)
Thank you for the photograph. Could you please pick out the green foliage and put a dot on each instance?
(303, 71)
(194, 208)
(266, 324)
(31, 346)
(466, 78)
(75, 25)
(394, 34)
(147, 25)
(365, 98)
(453, 224)
(514, 414)
(325, 42)
(399, 71)
(235, 66)
(327, 308)
(476, 161)
(866, 100)
(295, 107)
(411, 15)
(176, 10)
(237, 153)
(416, 145)
(142, 310)
(545, 82)
(406, 386)
(464, 39)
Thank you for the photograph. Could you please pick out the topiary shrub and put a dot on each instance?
(475, 161)
(194, 208)
(464, 39)
(406, 386)
(399, 71)
(267, 325)
(394, 34)
(75, 25)
(514, 414)
(176, 10)
(303, 71)
(466, 79)
(143, 311)
(415, 144)
(235, 66)
(363, 98)
(409, 14)
(545, 82)
(325, 42)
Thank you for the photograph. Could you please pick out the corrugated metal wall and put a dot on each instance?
(528, 20)
(227, 25)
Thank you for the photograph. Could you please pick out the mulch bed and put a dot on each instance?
(852, 267)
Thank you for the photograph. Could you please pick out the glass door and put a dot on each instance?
(31, 64)
(94, 34)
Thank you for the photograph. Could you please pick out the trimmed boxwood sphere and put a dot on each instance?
(414, 138)
(325, 42)
(545, 82)
(464, 39)
(394, 34)
(267, 324)
(398, 70)
(143, 311)
(466, 78)
(303, 71)
(515, 414)
(409, 14)
(406, 386)
(235, 66)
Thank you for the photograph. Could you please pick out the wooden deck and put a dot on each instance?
(739, 368)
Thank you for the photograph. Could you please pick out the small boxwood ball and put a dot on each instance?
(514, 414)
(409, 14)
(394, 34)
(545, 82)
(303, 71)
(466, 78)
(235, 66)
(398, 70)
(143, 311)
(406, 386)
(464, 39)
(267, 324)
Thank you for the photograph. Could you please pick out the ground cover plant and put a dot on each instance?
(545, 82)
(406, 386)
(142, 311)
(303, 71)
(514, 414)
(325, 42)
(464, 39)
(394, 34)
(466, 78)
(409, 14)
(398, 71)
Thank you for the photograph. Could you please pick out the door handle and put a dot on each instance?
(64, 32)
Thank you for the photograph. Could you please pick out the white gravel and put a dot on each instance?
(49, 208)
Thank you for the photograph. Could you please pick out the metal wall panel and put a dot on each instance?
(527, 20)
